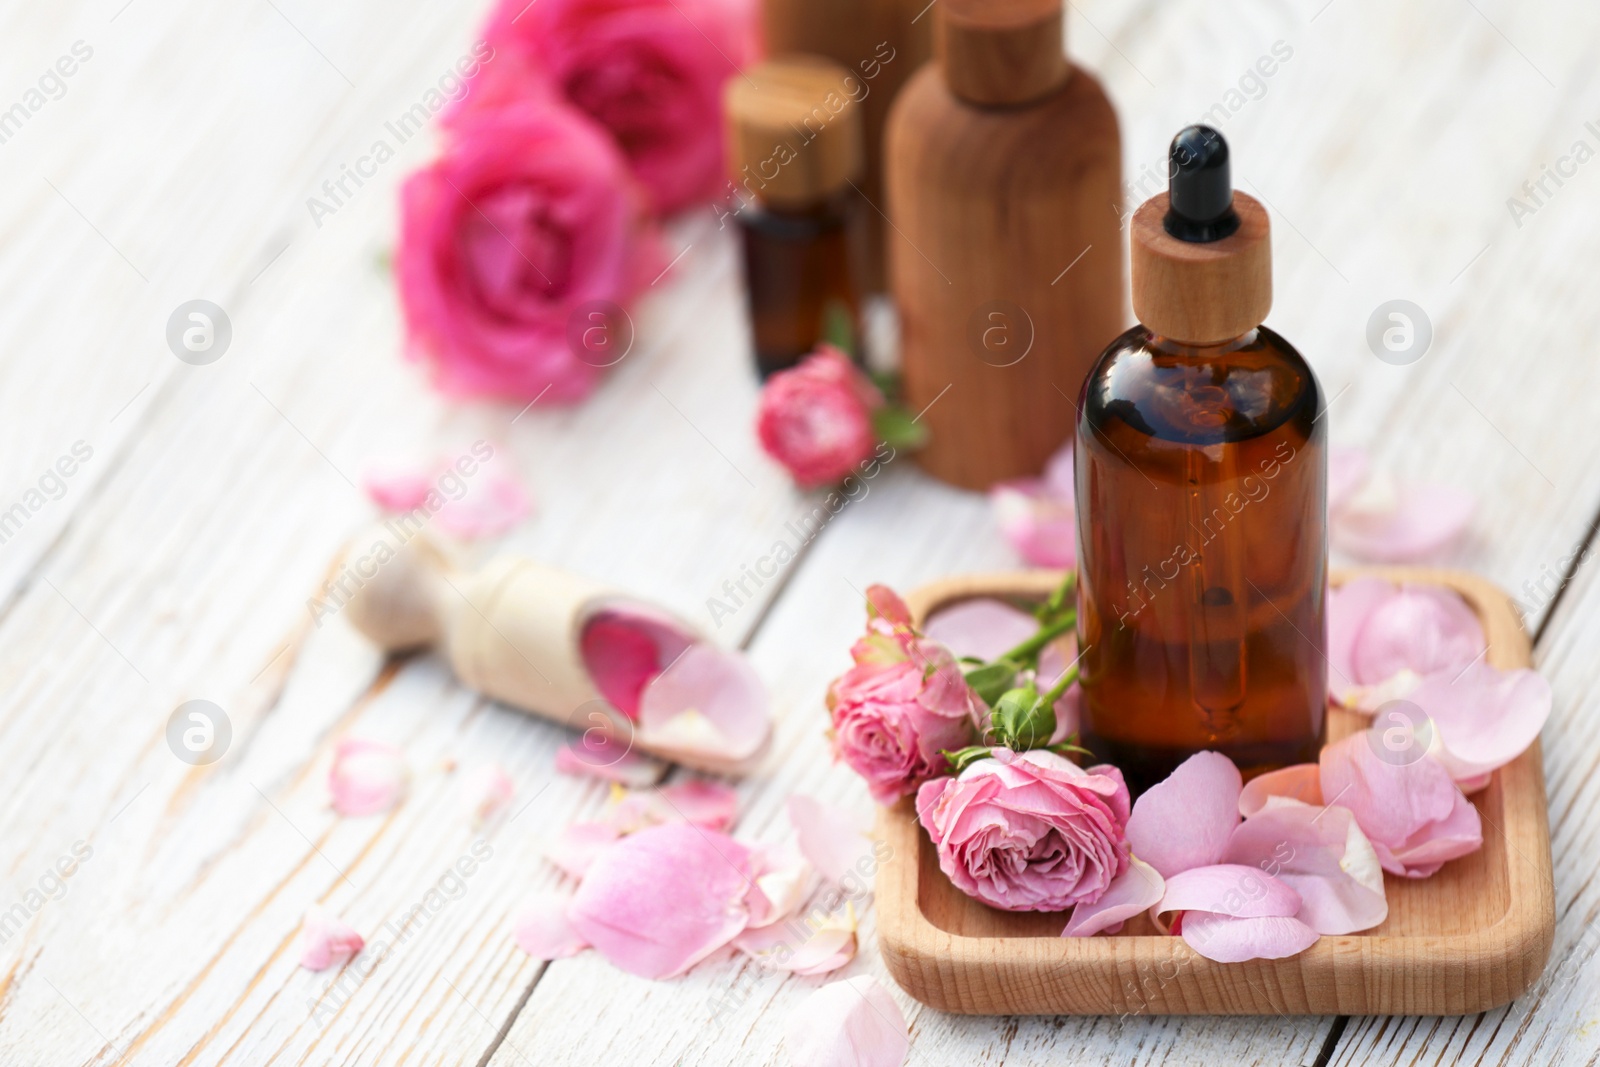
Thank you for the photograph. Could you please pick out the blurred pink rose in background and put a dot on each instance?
(816, 418)
(528, 218)
(649, 71)
(1029, 831)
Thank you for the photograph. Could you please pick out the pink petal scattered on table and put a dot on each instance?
(1483, 718)
(366, 777)
(1185, 821)
(326, 940)
(1301, 782)
(492, 505)
(780, 879)
(1137, 889)
(583, 760)
(1229, 940)
(832, 838)
(1347, 469)
(486, 790)
(1322, 855)
(702, 802)
(781, 946)
(1420, 521)
(397, 489)
(983, 627)
(1037, 515)
(849, 1023)
(575, 846)
(659, 901)
(1414, 815)
(543, 931)
(708, 700)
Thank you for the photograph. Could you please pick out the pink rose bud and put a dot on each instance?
(517, 248)
(816, 418)
(1035, 833)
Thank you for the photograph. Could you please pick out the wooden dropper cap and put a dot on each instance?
(1202, 253)
(793, 130)
(1000, 52)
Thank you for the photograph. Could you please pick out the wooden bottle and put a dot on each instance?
(511, 630)
(881, 43)
(1003, 172)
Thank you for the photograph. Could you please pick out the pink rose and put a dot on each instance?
(1029, 831)
(816, 418)
(649, 71)
(526, 222)
(901, 704)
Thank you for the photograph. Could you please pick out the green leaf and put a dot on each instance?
(838, 329)
(894, 426)
(991, 680)
(962, 758)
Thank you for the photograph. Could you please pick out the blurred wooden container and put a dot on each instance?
(1003, 175)
(882, 43)
(1473, 936)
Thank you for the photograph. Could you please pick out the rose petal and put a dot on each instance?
(326, 940)
(486, 790)
(623, 648)
(885, 603)
(543, 931)
(701, 802)
(1484, 717)
(1229, 940)
(628, 768)
(1422, 521)
(366, 777)
(829, 946)
(1136, 889)
(982, 627)
(575, 846)
(1347, 469)
(1038, 516)
(1302, 782)
(490, 507)
(1349, 607)
(782, 878)
(1322, 855)
(1412, 812)
(1185, 821)
(708, 700)
(1228, 889)
(851, 1023)
(659, 901)
(1421, 628)
(832, 838)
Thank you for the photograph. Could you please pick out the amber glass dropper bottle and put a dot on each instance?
(794, 147)
(1202, 483)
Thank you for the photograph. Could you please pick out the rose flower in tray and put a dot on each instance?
(961, 715)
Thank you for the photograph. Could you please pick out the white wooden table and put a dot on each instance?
(178, 560)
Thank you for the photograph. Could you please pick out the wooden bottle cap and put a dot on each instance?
(793, 129)
(1000, 51)
(1201, 293)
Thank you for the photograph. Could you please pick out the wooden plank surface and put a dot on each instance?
(178, 561)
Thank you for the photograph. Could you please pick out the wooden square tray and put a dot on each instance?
(1473, 936)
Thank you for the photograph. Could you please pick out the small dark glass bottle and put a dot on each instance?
(1202, 483)
(803, 266)
(794, 150)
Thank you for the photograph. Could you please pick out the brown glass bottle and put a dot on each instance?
(794, 148)
(1201, 482)
(802, 265)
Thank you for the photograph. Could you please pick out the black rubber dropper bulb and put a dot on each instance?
(1199, 187)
